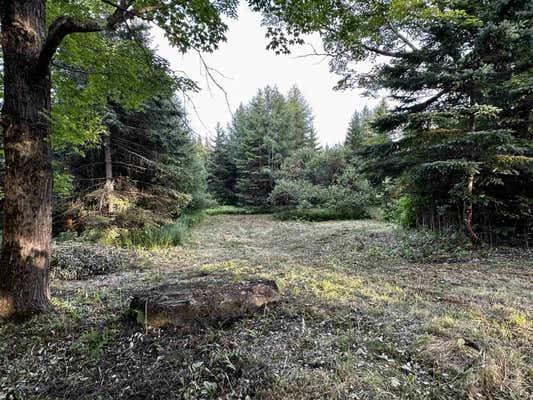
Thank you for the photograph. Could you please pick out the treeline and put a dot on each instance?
(269, 157)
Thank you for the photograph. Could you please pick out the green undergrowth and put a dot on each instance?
(168, 235)
(228, 210)
(320, 214)
(424, 245)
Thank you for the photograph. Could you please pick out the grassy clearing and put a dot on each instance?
(360, 320)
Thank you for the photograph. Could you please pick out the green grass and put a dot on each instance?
(320, 214)
(237, 210)
(226, 210)
(165, 236)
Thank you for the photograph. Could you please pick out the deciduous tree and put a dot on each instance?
(29, 45)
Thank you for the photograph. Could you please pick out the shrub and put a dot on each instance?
(344, 195)
(429, 246)
(404, 212)
(320, 214)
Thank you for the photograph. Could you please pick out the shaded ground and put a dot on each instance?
(357, 322)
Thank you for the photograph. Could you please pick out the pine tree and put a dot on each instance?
(262, 135)
(380, 112)
(361, 129)
(154, 148)
(366, 118)
(460, 73)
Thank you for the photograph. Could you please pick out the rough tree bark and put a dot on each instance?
(28, 49)
(28, 178)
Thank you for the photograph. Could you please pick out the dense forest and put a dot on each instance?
(395, 263)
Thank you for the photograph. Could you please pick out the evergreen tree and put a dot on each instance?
(261, 136)
(152, 148)
(366, 119)
(460, 72)
(256, 152)
(379, 113)
(354, 135)
(301, 119)
(361, 131)
(222, 168)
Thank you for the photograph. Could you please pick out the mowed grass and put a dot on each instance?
(357, 321)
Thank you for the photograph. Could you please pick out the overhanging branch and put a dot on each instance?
(383, 52)
(64, 26)
(59, 29)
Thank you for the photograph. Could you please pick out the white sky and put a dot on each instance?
(247, 66)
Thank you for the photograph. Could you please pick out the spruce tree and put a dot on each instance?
(222, 168)
(354, 136)
(255, 159)
(375, 135)
(459, 72)
(301, 119)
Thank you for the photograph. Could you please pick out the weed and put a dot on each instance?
(91, 344)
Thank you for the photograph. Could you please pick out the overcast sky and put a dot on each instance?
(247, 66)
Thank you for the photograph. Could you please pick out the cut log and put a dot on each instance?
(202, 303)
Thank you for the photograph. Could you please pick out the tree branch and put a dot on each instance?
(64, 26)
(59, 29)
(402, 37)
(383, 52)
(423, 105)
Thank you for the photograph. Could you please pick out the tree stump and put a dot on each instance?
(202, 303)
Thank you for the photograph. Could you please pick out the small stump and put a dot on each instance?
(200, 303)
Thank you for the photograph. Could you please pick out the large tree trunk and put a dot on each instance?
(24, 263)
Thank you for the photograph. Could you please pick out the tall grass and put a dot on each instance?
(220, 210)
(231, 210)
(321, 214)
(165, 236)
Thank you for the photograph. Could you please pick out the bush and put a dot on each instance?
(321, 185)
(301, 194)
(404, 212)
(424, 245)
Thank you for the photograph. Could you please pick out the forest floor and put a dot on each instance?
(357, 321)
